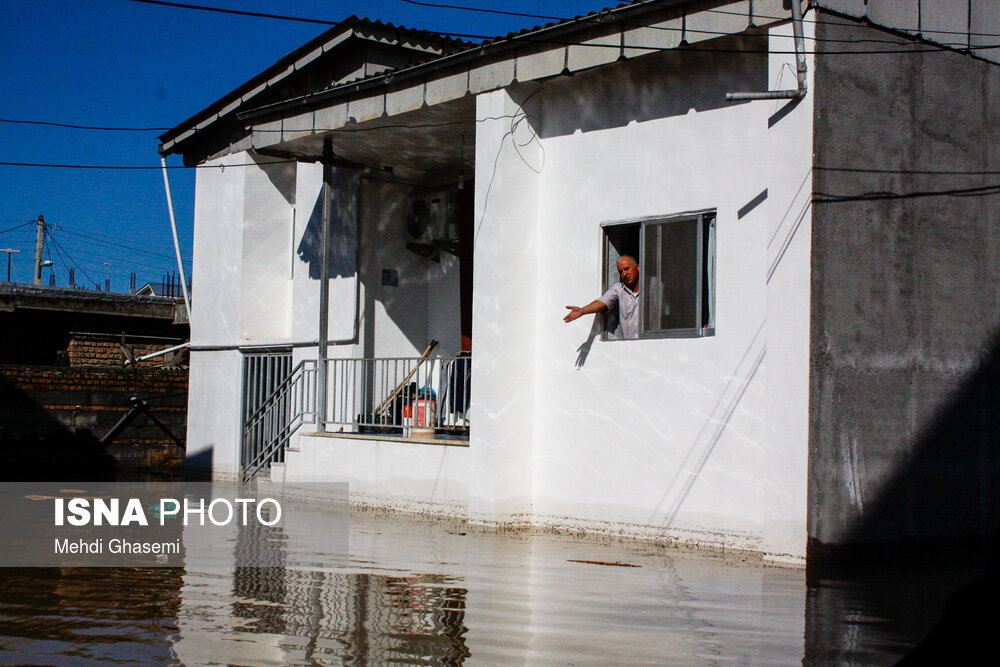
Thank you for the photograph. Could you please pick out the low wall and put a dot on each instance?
(106, 350)
(59, 412)
(424, 478)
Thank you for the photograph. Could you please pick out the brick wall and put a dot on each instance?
(97, 350)
(60, 407)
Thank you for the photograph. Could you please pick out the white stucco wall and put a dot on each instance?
(405, 476)
(702, 440)
(505, 287)
(784, 475)
(266, 285)
(664, 437)
(257, 228)
(214, 385)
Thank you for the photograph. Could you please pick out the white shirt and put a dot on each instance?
(627, 303)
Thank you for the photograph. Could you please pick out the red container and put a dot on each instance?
(424, 413)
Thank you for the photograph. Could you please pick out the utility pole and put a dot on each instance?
(39, 245)
(10, 252)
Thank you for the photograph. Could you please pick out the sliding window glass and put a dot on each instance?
(676, 258)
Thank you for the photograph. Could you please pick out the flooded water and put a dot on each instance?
(421, 592)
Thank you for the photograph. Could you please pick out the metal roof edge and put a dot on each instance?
(499, 44)
(289, 63)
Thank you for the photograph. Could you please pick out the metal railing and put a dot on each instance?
(268, 427)
(398, 395)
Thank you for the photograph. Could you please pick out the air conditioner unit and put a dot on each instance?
(432, 219)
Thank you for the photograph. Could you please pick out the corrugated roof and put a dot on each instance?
(462, 50)
(448, 45)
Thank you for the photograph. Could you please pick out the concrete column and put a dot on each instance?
(214, 389)
(785, 455)
(505, 285)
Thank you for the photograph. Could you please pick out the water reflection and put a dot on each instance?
(418, 592)
(89, 616)
(356, 619)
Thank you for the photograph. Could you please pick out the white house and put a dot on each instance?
(815, 333)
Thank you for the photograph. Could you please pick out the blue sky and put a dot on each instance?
(126, 64)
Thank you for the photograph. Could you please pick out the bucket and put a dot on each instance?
(424, 413)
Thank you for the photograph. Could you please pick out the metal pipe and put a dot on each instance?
(177, 243)
(160, 353)
(324, 283)
(800, 68)
(800, 45)
(767, 95)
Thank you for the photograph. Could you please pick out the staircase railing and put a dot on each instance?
(267, 431)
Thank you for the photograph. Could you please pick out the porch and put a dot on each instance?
(423, 399)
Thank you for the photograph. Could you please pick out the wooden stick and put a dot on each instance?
(399, 387)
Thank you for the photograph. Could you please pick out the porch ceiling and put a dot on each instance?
(426, 145)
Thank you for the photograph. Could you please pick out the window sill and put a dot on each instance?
(446, 439)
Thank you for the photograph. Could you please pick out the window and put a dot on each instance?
(676, 258)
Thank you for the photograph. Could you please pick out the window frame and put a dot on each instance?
(705, 278)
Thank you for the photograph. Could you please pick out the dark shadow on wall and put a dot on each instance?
(922, 556)
(280, 173)
(51, 428)
(582, 352)
(198, 467)
(37, 446)
(343, 229)
(660, 85)
(944, 492)
(408, 302)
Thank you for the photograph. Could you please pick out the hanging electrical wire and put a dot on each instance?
(83, 127)
(981, 191)
(599, 18)
(121, 256)
(236, 12)
(25, 224)
(124, 259)
(96, 238)
(67, 259)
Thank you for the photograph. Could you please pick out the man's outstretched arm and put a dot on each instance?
(595, 306)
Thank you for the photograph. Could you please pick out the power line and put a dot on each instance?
(25, 224)
(484, 11)
(83, 127)
(69, 260)
(985, 190)
(544, 17)
(66, 256)
(104, 241)
(92, 166)
(594, 20)
(858, 20)
(237, 12)
(914, 172)
(124, 257)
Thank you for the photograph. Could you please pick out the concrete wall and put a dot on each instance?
(958, 25)
(701, 440)
(404, 476)
(504, 326)
(401, 320)
(217, 259)
(53, 418)
(903, 363)
(257, 248)
(669, 437)
(265, 282)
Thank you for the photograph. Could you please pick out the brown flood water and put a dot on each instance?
(421, 592)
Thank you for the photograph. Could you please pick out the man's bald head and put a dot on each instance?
(628, 271)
